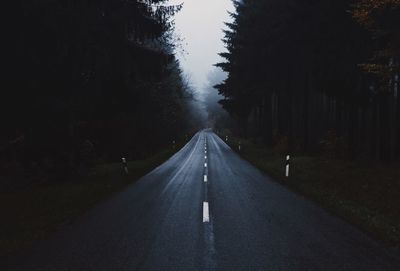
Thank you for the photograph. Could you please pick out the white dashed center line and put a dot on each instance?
(206, 216)
(205, 164)
(205, 178)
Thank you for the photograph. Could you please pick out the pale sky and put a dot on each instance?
(200, 24)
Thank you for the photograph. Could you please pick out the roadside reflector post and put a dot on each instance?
(287, 165)
(125, 165)
(239, 145)
(173, 144)
(226, 138)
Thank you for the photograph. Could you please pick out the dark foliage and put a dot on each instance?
(315, 74)
(87, 80)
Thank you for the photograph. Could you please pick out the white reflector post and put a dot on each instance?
(287, 166)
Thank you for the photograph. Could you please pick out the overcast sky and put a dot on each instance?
(200, 24)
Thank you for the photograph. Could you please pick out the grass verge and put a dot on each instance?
(364, 194)
(34, 213)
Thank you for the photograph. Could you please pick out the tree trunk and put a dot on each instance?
(306, 105)
(397, 118)
(267, 120)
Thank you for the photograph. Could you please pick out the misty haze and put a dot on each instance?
(200, 135)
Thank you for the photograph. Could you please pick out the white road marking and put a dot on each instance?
(205, 178)
(206, 215)
(205, 156)
(205, 164)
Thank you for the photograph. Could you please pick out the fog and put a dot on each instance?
(199, 24)
(199, 27)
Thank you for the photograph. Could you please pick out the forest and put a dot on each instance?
(117, 153)
(88, 81)
(316, 76)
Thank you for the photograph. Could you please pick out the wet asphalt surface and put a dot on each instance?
(252, 223)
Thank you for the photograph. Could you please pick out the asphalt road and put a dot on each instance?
(235, 218)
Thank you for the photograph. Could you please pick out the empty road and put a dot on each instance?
(208, 209)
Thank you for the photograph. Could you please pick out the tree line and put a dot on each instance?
(88, 80)
(316, 75)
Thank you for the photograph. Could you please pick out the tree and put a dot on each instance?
(294, 75)
(98, 71)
